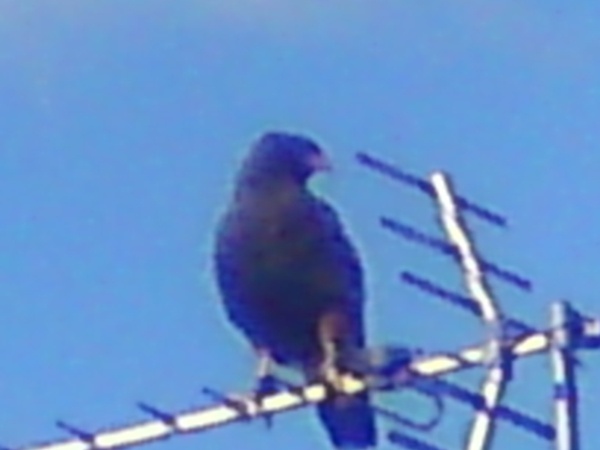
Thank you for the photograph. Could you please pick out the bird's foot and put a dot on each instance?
(333, 380)
(329, 370)
(331, 376)
(266, 385)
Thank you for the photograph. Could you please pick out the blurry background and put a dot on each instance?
(122, 123)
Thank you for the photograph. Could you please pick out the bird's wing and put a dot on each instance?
(340, 274)
(301, 242)
(228, 263)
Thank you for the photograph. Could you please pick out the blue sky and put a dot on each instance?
(123, 122)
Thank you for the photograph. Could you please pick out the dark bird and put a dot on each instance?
(290, 279)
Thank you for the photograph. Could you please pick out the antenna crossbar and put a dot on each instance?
(209, 417)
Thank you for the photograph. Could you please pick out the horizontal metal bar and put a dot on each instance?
(483, 213)
(475, 400)
(78, 432)
(411, 233)
(510, 277)
(163, 416)
(395, 173)
(210, 417)
(426, 187)
(460, 300)
(467, 303)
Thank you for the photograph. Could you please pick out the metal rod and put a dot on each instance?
(510, 414)
(457, 234)
(205, 418)
(441, 245)
(565, 395)
(425, 186)
(463, 301)
(482, 428)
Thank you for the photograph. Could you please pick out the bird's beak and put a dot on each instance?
(320, 163)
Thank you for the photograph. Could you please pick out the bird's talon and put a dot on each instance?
(332, 378)
(266, 385)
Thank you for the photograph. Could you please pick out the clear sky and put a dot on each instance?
(122, 123)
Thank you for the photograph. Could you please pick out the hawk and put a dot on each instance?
(291, 280)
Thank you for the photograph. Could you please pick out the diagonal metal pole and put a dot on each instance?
(474, 276)
(494, 385)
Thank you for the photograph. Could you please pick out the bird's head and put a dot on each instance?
(282, 156)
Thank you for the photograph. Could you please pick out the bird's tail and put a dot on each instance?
(349, 421)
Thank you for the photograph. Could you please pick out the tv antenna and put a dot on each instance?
(507, 340)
